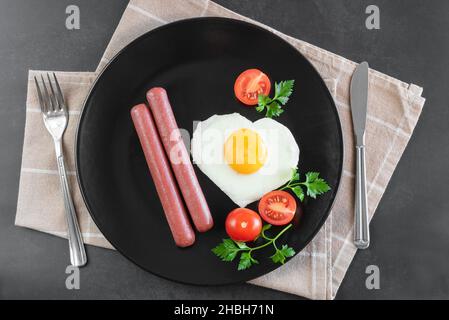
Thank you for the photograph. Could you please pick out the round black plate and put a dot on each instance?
(197, 61)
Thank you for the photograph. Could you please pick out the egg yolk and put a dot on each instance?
(244, 151)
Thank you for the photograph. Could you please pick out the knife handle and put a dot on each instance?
(361, 232)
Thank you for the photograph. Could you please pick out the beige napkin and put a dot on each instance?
(317, 271)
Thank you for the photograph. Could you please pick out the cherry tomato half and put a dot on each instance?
(249, 84)
(243, 224)
(277, 207)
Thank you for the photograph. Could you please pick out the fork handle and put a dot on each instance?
(78, 256)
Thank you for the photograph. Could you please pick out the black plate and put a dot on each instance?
(197, 61)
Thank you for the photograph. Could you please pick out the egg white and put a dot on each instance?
(208, 154)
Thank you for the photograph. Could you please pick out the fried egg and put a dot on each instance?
(244, 159)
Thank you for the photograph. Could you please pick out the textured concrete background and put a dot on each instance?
(410, 232)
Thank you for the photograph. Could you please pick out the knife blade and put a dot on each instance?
(359, 106)
(359, 101)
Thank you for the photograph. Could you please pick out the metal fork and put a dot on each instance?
(56, 116)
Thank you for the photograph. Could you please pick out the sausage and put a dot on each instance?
(179, 159)
(163, 179)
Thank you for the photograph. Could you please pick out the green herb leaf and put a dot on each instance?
(287, 251)
(282, 254)
(241, 245)
(246, 261)
(283, 91)
(278, 257)
(227, 250)
(298, 192)
(262, 101)
(295, 175)
(266, 227)
(315, 185)
(274, 109)
(273, 106)
(311, 176)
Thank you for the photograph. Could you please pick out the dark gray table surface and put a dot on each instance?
(410, 231)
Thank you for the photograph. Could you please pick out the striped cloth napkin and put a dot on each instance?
(317, 272)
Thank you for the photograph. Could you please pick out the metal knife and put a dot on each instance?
(359, 102)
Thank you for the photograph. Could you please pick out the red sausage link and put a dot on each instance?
(179, 159)
(162, 176)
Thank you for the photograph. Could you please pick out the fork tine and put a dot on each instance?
(41, 100)
(53, 98)
(46, 96)
(59, 94)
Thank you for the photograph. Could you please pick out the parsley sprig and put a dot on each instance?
(228, 249)
(273, 106)
(314, 185)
